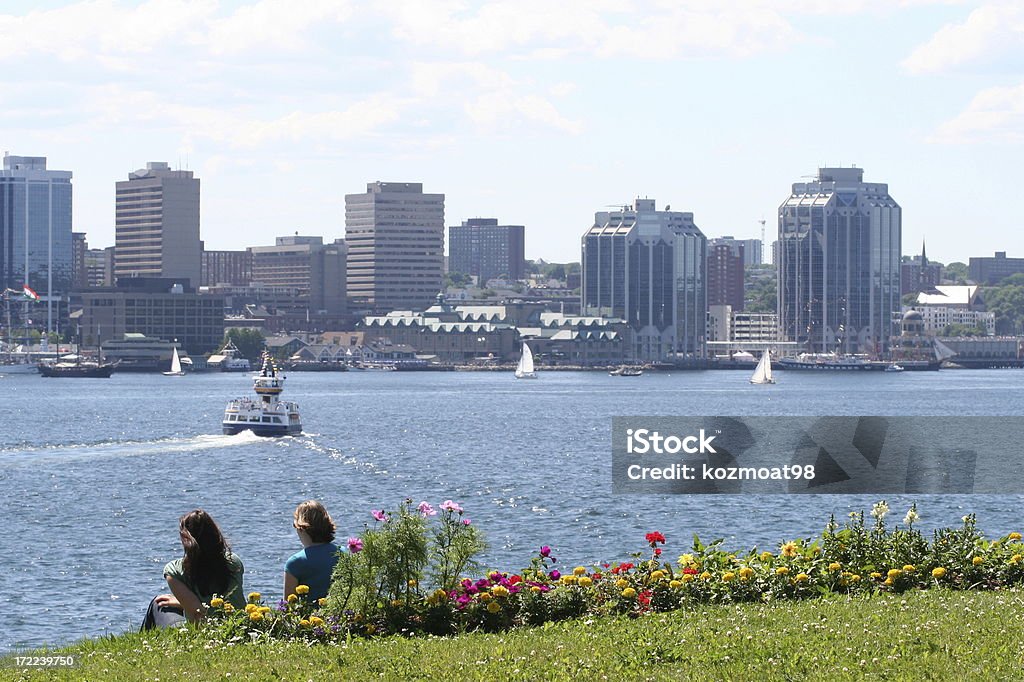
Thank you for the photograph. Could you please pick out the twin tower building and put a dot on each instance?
(838, 254)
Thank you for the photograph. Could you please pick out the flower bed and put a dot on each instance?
(404, 576)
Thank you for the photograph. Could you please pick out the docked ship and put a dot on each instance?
(829, 362)
(267, 415)
(228, 359)
(76, 367)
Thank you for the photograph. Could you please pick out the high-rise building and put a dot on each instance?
(99, 267)
(483, 248)
(314, 269)
(79, 247)
(226, 267)
(35, 231)
(839, 263)
(752, 252)
(726, 257)
(157, 225)
(989, 270)
(647, 267)
(395, 237)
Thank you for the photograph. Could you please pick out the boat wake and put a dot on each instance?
(118, 448)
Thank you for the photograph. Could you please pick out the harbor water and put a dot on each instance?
(96, 472)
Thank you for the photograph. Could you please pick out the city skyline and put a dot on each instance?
(505, 108)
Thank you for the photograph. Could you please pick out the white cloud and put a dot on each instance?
(994, 115)
(989, 32)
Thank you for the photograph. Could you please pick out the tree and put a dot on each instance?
(957, 272)
(962, 330)
(1007, 302)
(909, 299)
(761, 296)
(458, 279)
(249, 342)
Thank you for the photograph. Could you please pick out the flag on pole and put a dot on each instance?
(30, 293)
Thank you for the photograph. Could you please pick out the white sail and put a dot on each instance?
(175, 361)
(763, 371)
(524, 370)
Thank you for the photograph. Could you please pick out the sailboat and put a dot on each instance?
(763, 371)
(175, 365)
(524, 370)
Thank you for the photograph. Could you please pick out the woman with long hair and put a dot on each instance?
(314, 563)
(207, 569)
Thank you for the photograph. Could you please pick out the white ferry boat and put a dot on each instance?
(828, 362)
(266, 415)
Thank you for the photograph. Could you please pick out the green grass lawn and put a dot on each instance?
(938, 634)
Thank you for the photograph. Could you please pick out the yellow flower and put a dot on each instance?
(579, 570)
(536, 590)
(256, 615)
(688, 577)
(254, 596)
(485, 597)
(939, 573)
(412, 582)
(292, 598)
(977, 561)
(216, 603)
(727, 577)
(568, 580)
(746, 573)
(316, 621)
(657, 575)
(909, 568)
(782, 570)
(494, 607)
(584, 581)
(789, 549)
(1015, 559)
(767, 556)
(321, 601)
(396, 603)
(674, 584)
(1013, 536)
(687, 560)
(629, 593)
(228, 608)
(249, 608)
(876, 575)
(622, 583)
(264, 609)
(303, 623)
(705, 576)
(802, 577)
(855, 578)
(834, 566)
(300, 590)
(817, 551)
(894, 573)
(888, 581)
(499, 591)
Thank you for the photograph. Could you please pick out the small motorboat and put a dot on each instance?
(626, 371)
(894, 368)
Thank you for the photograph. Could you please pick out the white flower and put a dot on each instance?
(912, 517)
(879, 510)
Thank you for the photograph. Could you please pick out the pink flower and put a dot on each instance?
(465, 522)
(426, 509)
(355, 545)
(379, 514)
(448, 505)
(545, 551)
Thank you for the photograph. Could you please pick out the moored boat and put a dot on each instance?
(524, 370)
(626, 371)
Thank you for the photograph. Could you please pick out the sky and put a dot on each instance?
(533, 112)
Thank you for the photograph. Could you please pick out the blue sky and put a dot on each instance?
(534, 112)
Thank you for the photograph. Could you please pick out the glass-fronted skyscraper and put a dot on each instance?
(838, 261)
(647, 267)
(35, 231)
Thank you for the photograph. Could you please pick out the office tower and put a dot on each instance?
(647, 267)
(483, 248)
(989, 270)
(839, 263)
(226, 267)
(314, 269)
(157, 225)
(752, 252)
(98, 267)
(35, 231)
(79, 247)
(726, 257)
(395, 237)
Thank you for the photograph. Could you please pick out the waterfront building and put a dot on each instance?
(156, 307)
(948, 306)
(157, 225)
(226, 267)
(35, 232)
(140, 353)
(989, 270)
(839, 263)
(647, 267)
(726, 272)
(483, 248)
(314, 269)
(395, 236)
(739, 327)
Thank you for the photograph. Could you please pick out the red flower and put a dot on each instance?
(657, 551)
(690, 570)
(644, 598)
(654, 538)
(515, 580)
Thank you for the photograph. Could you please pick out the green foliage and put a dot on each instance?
(1007, 302)
(962, 330)
(760, 295)
(249, 342)
(457, 279)
(956, 272)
